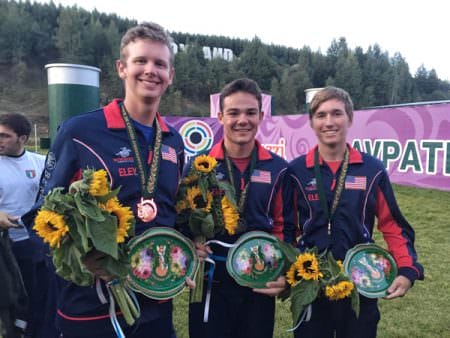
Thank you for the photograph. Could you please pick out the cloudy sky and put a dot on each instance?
(419, 31)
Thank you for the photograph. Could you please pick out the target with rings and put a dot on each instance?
(197, 136)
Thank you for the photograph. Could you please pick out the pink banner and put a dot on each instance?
(412, 141)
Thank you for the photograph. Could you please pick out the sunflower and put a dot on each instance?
(205, 163)
(195, 199)
(124, 216)
(99, 183)
(308, 267)
(339, 291)
(230, 216)
(291, 275)
(51, 227)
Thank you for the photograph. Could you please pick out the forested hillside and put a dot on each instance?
(33, 34)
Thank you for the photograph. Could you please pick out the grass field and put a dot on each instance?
(425, 311)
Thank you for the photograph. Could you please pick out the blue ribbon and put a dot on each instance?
(212, 260)
(112, 312)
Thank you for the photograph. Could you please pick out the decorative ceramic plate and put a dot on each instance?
(371, 268)
(255, 259)
(161, 259)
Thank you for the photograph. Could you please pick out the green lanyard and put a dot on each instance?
(243, 195)
(148, 180)
(337, 193)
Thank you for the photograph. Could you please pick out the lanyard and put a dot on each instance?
(337, 193)
(243, 195)
(148, 180)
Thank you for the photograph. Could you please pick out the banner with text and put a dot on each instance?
(412, 141)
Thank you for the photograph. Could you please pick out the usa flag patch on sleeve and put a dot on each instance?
(356, 182)
(168, 154)
(261, 176)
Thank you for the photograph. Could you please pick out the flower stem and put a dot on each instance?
(197, 292)
(119, 295)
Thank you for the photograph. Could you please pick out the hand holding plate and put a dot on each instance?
(399, 287)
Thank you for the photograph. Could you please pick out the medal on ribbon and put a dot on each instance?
(147, 209)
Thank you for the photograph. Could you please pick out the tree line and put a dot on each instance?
(34, 34)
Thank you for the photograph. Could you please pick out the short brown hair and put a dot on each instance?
(244, 85)
(16, 122)
(150, 31)
(329, 93)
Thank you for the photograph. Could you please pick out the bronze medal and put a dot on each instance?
(147, 210)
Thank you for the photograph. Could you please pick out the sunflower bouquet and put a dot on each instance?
(311, 274)
(207, 206)
(89, 217)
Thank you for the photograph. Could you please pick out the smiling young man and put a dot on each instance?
(125, 138)
(334, 173)
(258, 179)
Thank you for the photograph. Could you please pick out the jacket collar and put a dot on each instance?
(217, 151)
(354, 156)
(114, 118)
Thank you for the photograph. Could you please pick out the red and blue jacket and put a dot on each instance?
(99, 140)
(367, 194)
(268, 204)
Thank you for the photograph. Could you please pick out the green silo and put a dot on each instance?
(72, 89)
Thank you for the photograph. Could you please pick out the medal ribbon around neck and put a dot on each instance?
(150, 179)
(243, 196)
(337, 193)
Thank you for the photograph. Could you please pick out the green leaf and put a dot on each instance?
(229, 191)
(203, 185)
(88, 206)
(81, 229)
(303, 294)
(67, 261)
(297, 308)
(333, 265)
(288, 251)
(103, 234)
(355, 301)
(208, 226)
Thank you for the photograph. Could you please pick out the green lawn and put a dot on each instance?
(425, 311)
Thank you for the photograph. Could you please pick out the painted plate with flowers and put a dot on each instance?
(160, 260)
(255, 259)
(371, 268)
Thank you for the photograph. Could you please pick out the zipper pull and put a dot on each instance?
(329, 227)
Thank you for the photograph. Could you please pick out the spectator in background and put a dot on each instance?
(20, 172)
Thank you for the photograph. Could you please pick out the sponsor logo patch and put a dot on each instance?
(312, 185)
(123, 155)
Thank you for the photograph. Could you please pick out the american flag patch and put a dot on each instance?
(168, 154)
(356, 182)
(261, 176)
